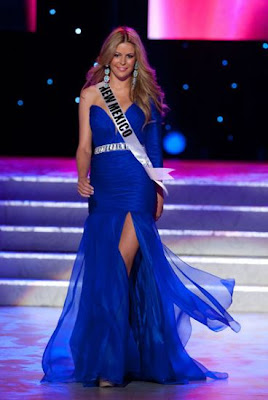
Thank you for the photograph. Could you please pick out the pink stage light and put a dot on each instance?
(208, 19)
(31, 15)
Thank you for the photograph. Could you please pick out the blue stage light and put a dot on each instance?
(50, 81)
(234, 85)
(77, 99)
(220, 118)
(174, 142)
(52, 11)
(230, 138)
(185, 86)
(20, 102)
(265, 45)
(167, 127)
(224, 63)
(78, 31)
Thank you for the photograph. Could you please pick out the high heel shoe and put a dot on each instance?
(103, 383)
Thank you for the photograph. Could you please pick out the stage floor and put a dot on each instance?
(25, 331)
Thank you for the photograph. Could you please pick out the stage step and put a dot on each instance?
(52, 293)
(250, 271)
(187, 242)
(36, 265)
(181, 191)
(175, 216)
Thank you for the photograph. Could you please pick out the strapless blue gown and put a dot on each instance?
(125, 328)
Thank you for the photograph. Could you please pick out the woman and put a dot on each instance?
(128, 307)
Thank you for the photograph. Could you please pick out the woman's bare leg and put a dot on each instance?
(128, 244)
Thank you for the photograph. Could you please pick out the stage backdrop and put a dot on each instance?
(216, 90)
(18, 15)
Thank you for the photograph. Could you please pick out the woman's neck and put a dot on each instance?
(118, 85)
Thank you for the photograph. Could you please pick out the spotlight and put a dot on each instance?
(52, 11)
(174, 142)
(50, 81)
(265, 46)
(20, 102)
(78, 31)
(185, 86)
(220, 118)
(234, 85)
(224, 63)
(167, 127)
(230, 138)
(77, 99)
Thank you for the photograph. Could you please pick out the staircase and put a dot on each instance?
(218, 226)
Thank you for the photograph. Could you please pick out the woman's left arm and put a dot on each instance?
(153, 145)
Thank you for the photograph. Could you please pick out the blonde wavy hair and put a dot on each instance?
(146, 88)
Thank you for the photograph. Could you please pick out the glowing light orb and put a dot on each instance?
(174, 142)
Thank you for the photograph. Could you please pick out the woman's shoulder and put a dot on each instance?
(89, 94)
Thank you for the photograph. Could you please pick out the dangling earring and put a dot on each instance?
(135, 74)
(107, 75)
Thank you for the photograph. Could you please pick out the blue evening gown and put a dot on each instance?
(124, 328)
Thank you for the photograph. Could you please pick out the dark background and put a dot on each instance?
(47, 123)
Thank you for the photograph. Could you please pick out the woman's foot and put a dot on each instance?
(104, 383)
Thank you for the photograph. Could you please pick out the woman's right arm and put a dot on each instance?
(84, 149)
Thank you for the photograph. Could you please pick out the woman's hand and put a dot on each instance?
(160, 203)
(84, 188)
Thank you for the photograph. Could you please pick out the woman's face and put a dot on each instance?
(123, 62)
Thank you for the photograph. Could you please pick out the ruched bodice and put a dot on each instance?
(103, 128)
(119, 180)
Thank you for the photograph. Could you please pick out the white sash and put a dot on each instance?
(124, 128)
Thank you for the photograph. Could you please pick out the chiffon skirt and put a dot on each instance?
(133, 328)
(122, 328)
